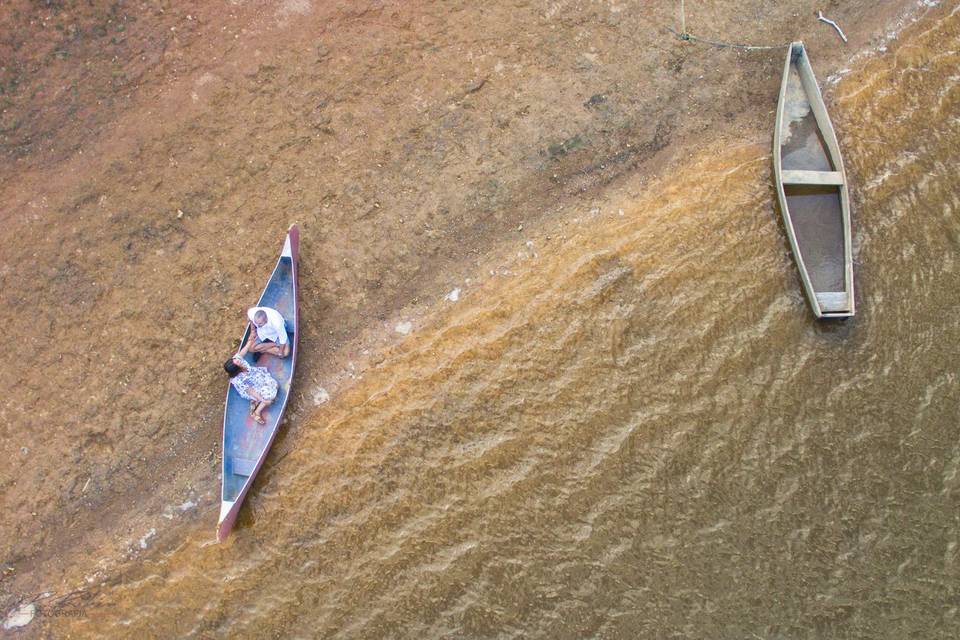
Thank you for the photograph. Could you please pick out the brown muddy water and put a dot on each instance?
(634, 428)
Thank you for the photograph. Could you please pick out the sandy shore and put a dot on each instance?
(152, 157)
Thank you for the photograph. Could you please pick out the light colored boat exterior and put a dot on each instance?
(812, 190)
(246, 443)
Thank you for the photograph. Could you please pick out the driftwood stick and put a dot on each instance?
(832, 24)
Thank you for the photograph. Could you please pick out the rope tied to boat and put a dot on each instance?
(689, 37)
(684, 35)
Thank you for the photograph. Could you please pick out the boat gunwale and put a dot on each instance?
(818, 108)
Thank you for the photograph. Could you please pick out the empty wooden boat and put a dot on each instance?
(246, 443)
(812, 190)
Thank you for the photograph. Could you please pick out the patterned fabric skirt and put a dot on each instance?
(257, 379)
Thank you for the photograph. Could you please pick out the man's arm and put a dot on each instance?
(250, 340)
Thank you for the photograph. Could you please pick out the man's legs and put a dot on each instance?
(262, 347)
(271, 348)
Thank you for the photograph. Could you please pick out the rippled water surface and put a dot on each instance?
(640, 432)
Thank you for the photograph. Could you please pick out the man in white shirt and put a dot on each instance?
(268, 333)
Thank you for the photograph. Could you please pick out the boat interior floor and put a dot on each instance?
(817, 218)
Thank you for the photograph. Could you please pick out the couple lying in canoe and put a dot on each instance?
(268, 334)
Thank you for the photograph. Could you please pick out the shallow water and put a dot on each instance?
(639, 432)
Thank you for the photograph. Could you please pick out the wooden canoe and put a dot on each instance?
(812, 190)
(246, 443)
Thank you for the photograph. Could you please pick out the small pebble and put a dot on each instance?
(320, 396)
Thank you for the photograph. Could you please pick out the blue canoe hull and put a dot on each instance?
(246, 443)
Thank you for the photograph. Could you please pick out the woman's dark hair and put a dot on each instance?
(231, 368)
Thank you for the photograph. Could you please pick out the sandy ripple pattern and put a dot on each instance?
(641, 432)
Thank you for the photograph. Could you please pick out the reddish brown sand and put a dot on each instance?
(151, 158)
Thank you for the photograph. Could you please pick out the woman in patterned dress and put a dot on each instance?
(252, 383)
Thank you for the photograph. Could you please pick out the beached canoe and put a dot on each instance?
(812, 190)
(246, 443)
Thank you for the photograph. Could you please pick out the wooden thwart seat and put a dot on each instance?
(833, 301)
(800, 176)
(243, 466)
